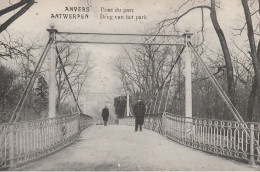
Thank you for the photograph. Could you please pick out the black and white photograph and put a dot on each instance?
(129, 85)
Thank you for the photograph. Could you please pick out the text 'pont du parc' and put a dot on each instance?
(120, 14)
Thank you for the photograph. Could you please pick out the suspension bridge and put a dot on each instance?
(170, 142)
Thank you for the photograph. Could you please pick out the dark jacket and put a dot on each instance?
(105, 114)
(139, 109)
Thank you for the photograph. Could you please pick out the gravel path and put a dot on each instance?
(120, 148)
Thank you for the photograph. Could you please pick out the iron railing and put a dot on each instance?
(151, 122)
(23, 142)
(226, 138)
(85, 121)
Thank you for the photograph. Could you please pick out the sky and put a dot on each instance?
(104, 80)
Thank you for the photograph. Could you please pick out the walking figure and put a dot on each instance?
(105, 115)
(139, 112)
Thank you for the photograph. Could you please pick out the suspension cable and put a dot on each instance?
(155, 103)
(175, 62)
(160, 100)
(20, 104)
(66, 76)
(167, 95)
(222, 93)
(217, 86)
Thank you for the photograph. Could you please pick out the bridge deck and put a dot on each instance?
(120, 148)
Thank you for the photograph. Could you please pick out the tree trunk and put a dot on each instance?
(224, 46)
(255, 53)
(251, 101)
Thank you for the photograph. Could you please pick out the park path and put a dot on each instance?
(120, 148)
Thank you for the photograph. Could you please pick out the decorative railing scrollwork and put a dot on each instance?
(226, 138)
(85, 121)
(151, 122)
(23, 142)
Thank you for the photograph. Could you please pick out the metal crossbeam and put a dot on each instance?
(110, 38)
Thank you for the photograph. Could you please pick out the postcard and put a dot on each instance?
(129, 85)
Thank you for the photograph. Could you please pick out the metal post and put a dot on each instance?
(127, 105)
(188, 82)
(155, 103)
(186, 127)
(151, 105)
(12, 147)
(252, 139)
(179, 87)
(158, 110)
(52, 75)
(167, 96)
(164, 127)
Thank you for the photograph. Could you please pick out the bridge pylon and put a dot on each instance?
(52, 74)
(188, 80)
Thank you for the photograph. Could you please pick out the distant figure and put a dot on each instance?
(139, 112)
(105, 115)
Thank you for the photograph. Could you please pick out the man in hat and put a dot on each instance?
(139, 112)
(105, 115)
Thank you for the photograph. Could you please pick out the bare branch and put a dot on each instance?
(13, 7)
(16, 15)
(176, 19)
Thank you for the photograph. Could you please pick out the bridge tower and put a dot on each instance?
(188, 80)
(52, 74)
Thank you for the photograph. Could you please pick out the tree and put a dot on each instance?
(23, 5)
(120, 106)
(10, 90)
(255, 55)
(77, 67)
(222, 39)
(41, 99)
(245, 76)
(7, 81)
(142, 69)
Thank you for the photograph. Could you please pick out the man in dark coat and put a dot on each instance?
(105, 115)
(139, 112)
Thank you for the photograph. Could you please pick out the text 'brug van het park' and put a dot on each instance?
(120, 14)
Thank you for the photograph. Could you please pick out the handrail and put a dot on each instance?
(23, 142)
(239, 140)
(171, 114)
